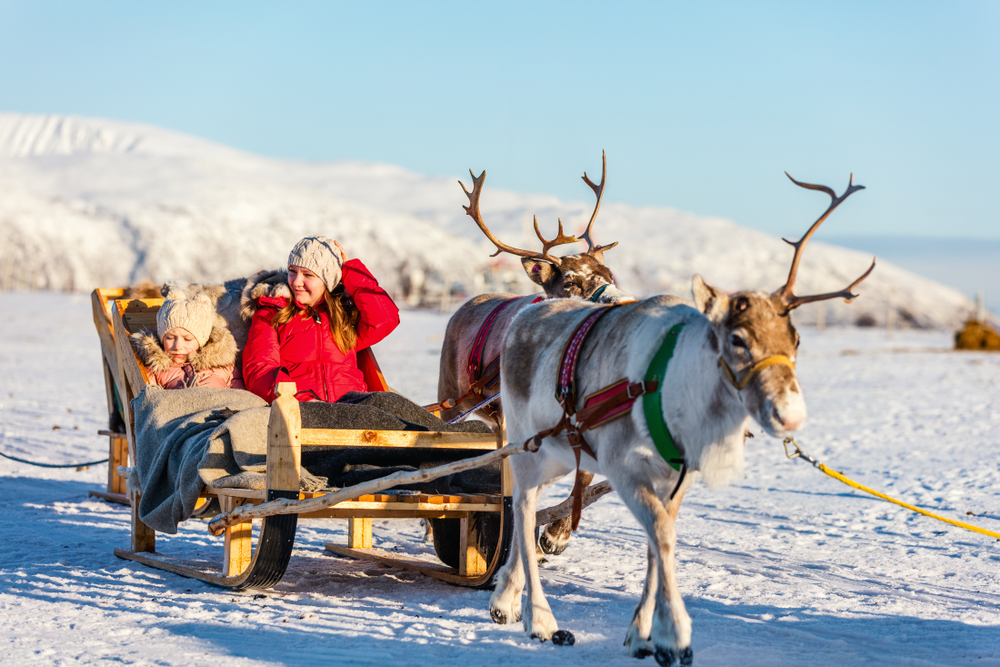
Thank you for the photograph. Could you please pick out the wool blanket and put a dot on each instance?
(192, 438)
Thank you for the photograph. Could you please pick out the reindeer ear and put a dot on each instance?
(712, 302)
(538, 270)
(598, 252)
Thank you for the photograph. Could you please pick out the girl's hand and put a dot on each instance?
(343, 253)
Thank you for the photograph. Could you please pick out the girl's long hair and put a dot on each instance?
(339, 308)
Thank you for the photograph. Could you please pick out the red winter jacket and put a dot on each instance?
(306, 349)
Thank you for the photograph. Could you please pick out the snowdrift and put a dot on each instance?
(89, 202)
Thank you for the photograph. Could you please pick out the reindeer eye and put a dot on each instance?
(742, 304)
(737, 341)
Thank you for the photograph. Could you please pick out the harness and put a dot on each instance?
(741, 383)
(484, 379)
(609, 403)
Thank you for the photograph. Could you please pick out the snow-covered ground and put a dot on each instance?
(787, 567)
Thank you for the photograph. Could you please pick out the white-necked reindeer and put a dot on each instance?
(733, 360)
(580, 276)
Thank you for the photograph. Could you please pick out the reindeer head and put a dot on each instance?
(756, 340)
(574, 276)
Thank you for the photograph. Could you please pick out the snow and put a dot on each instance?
(91, 202)
(786, 567)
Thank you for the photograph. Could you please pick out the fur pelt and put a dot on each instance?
(218, 352)
(235, 301)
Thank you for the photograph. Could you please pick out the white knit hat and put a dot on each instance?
(196, 315)
(319, 255)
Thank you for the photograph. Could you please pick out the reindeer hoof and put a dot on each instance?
(550, 547)
(668, 657)
(665, 657)
(563, 638)
(500, 618)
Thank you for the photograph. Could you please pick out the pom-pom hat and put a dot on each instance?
(319, 255)
(196, 315)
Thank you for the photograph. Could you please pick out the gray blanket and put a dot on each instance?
(192, 438)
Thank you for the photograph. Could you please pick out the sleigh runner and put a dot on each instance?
(248, 562)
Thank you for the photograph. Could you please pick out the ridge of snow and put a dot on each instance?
(90, 202)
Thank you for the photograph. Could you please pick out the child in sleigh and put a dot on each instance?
(189, 350)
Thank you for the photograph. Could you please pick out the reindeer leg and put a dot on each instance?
(555, 539)
(670, 633)
(505, 602)
(539, 623)
(637, 637)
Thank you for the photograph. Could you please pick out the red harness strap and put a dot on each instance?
(599, 408)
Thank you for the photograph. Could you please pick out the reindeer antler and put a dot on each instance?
(560, 239)
(599, 191)
(473, 210)
(785, 292)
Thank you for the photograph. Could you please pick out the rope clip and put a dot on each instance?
(799, 454)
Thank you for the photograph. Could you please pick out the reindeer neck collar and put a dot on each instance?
(741, 383)
(652, 405)
(597, 294)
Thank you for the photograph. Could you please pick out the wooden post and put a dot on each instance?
(471, 562)
(238, 542)
(359, 533)
(119, 457)
(143, 537)
(284, 448)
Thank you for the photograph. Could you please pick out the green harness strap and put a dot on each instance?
(652, 405)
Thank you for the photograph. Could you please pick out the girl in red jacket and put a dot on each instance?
(336, 309)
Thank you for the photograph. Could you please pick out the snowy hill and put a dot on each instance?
(89, 202)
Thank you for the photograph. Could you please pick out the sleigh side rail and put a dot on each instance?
(247, 566)
(102, 300)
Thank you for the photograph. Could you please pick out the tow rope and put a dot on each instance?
(53, 465)
(799, 454)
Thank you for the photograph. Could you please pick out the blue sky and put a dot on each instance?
(700, 106)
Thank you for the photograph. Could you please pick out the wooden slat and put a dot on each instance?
(436, 570)
(186, 568)
(119, 498)
(415, 439)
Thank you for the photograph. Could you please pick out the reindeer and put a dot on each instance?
(580, 276)
(733, 360)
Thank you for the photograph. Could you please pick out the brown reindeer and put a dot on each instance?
(733, 359)
(579, 276)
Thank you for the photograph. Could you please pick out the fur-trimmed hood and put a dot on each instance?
(263, 283)
(218, 352)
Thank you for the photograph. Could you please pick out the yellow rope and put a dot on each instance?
(852, 483)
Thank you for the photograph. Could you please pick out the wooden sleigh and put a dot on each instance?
(248, 562)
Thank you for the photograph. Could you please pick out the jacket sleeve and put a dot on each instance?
(262, 369)
(378, 313)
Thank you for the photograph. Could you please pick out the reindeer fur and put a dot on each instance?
(706, 415)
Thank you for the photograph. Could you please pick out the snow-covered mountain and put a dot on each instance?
(87, 202)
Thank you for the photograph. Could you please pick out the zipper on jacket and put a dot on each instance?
(322, 367)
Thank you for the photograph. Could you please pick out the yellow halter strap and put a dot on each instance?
(753, 370)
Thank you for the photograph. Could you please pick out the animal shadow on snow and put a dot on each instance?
(363, 613)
